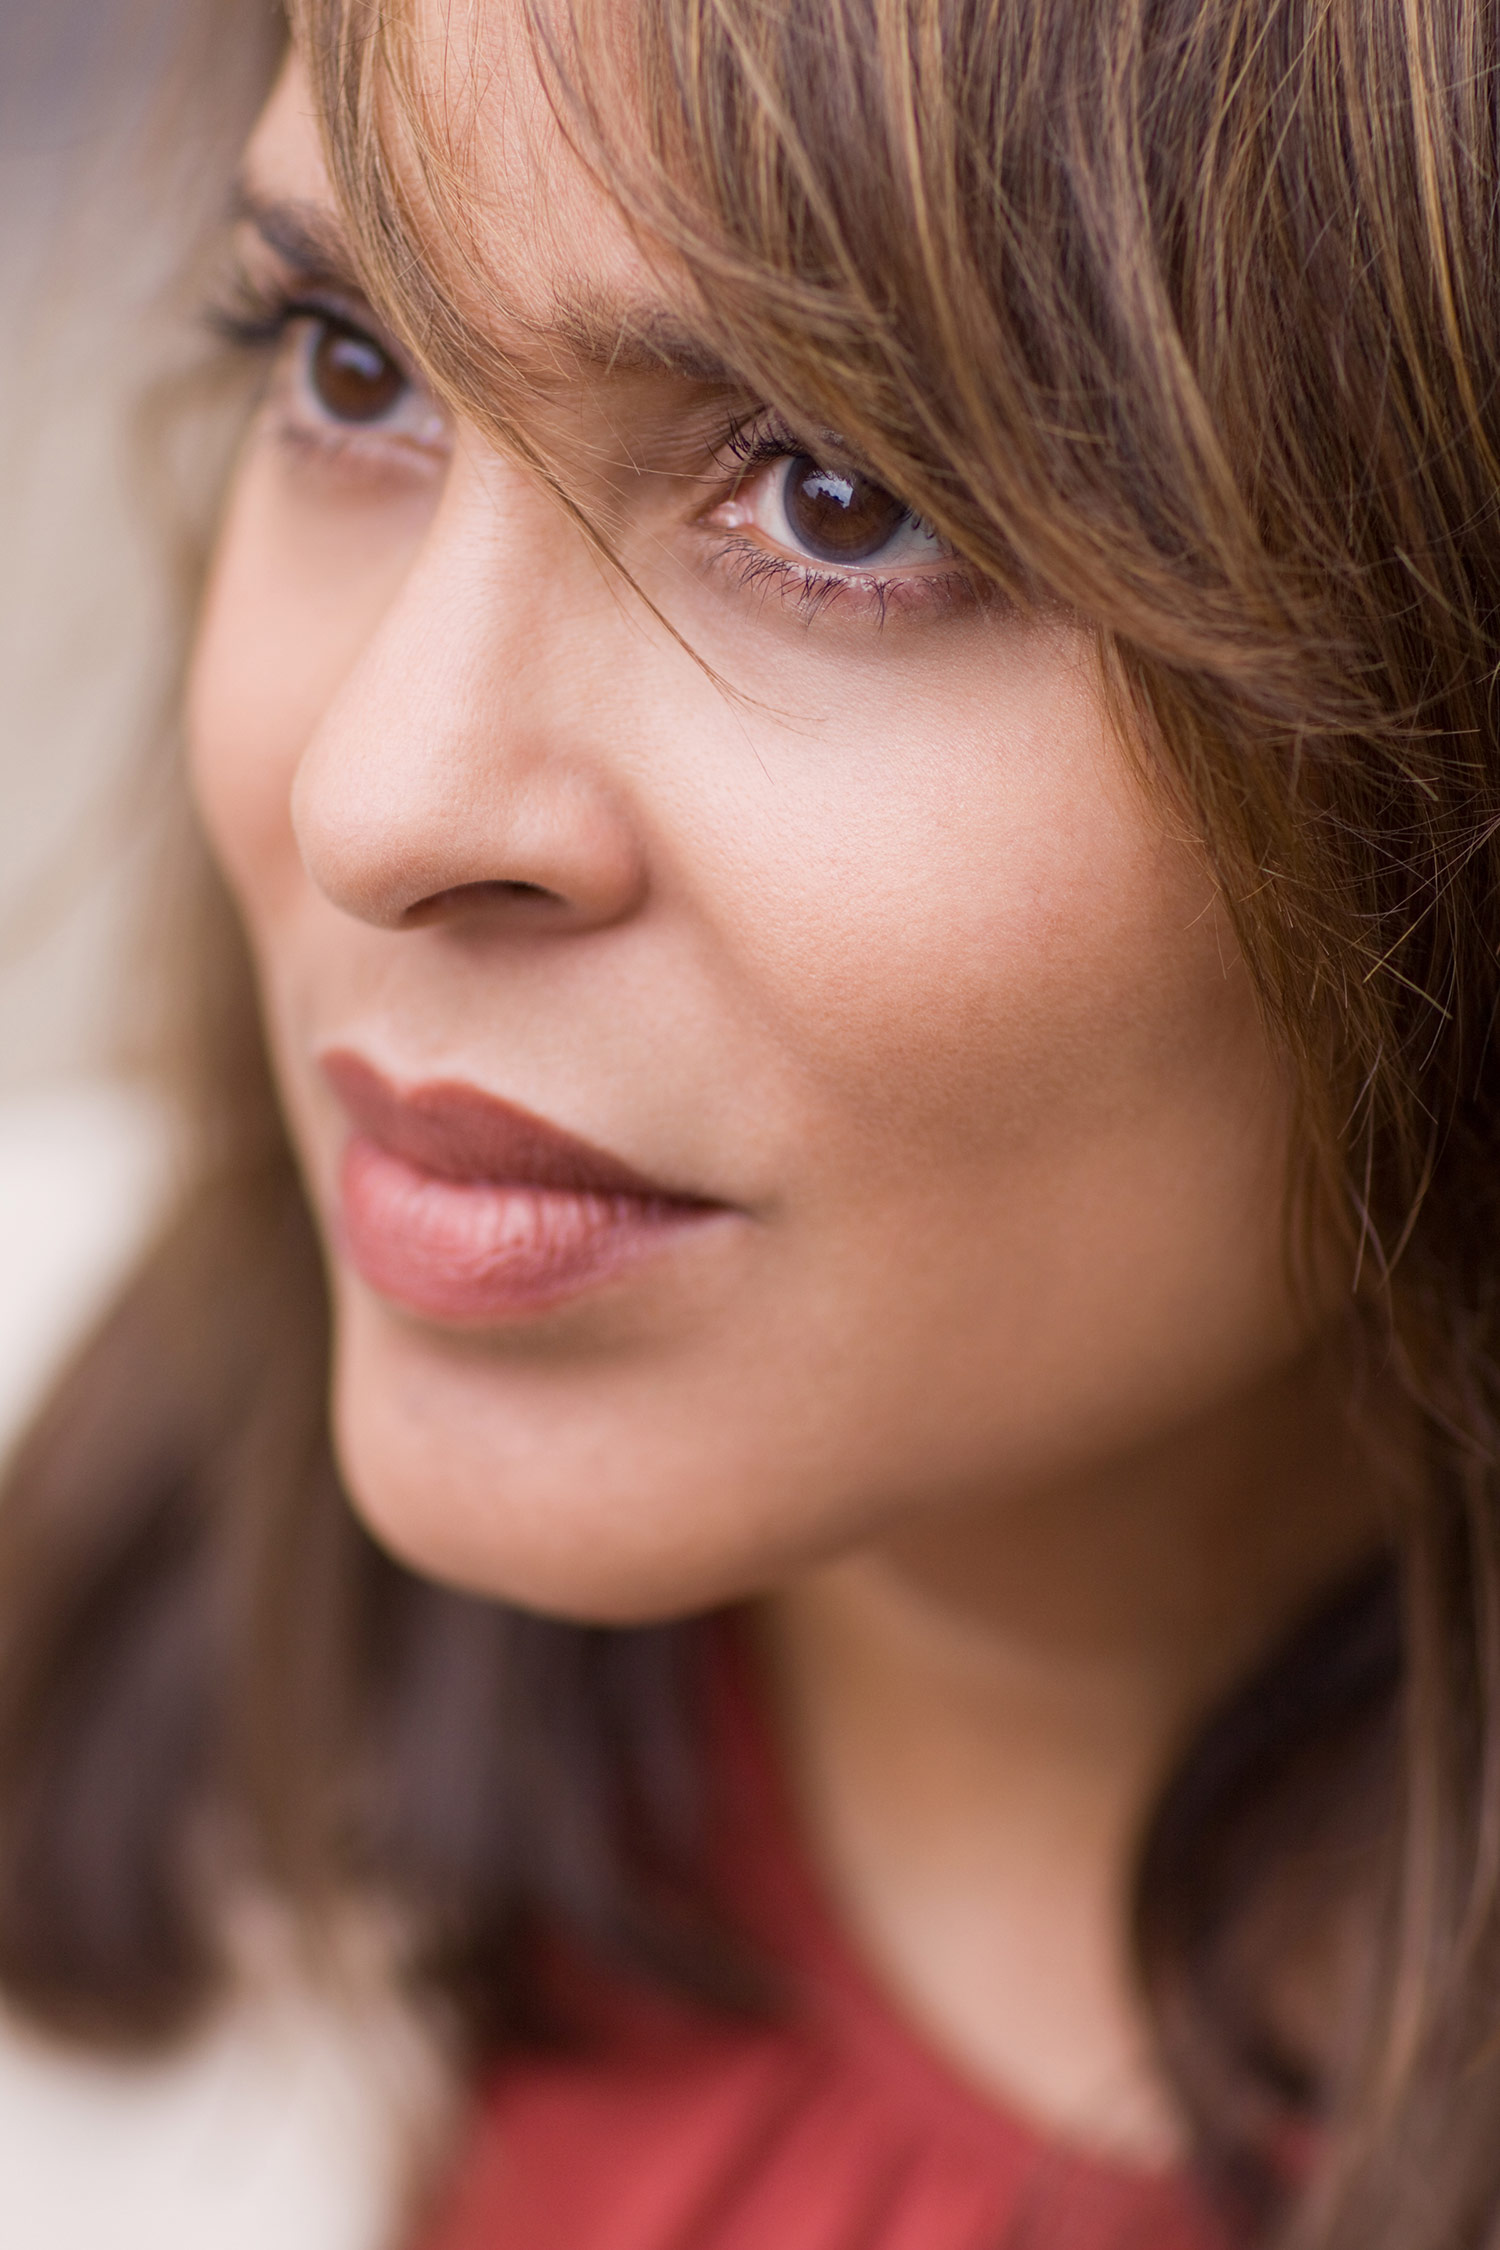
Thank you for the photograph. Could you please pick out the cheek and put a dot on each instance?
(993, 945)
(1042, 1133)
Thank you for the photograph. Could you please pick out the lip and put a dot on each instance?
(467, 1209)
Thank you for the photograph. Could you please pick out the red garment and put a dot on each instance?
(834, 2129)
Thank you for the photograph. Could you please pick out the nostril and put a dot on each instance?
(463, 898)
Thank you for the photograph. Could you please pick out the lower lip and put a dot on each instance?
(473, 1251)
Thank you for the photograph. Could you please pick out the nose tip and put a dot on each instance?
(423, 839)
(463, 768)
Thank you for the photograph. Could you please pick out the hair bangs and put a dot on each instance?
(937, 228)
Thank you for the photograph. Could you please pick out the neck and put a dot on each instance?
(979, 1712)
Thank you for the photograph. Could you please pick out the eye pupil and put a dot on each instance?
(837, 514)
(352, 378)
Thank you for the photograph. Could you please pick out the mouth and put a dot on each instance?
(464, 1208)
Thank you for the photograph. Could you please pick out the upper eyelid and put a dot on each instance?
(272, 272)
(258, 309)
(762, 422)
(354, 314)
(763, 436)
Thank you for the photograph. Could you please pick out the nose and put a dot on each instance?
(463, 763)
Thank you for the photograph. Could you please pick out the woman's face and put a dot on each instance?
(760, 1081)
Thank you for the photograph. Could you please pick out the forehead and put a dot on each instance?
(507, 219)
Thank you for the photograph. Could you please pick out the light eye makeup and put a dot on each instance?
(337, 387)
(804, 524)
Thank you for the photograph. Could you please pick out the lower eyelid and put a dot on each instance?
(308, 428)
(349, 455)
(815, 589)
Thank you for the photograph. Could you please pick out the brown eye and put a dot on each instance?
(838, 515)
(351, 378)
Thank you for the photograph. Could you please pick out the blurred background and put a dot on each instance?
(287, 2124)
(119, 126)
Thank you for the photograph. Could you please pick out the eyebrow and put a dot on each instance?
(641, 340)
(306, 235)
(609, 337)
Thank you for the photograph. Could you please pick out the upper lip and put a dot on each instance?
(459, 1132)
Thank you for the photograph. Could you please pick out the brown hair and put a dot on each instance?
(1184, 313)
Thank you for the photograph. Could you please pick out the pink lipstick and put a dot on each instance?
(470, 1210)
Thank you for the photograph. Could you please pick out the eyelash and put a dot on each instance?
(254, 317)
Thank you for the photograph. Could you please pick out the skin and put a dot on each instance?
(990, 1386)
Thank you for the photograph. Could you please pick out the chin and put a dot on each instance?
(508, 1485)
(547, 1550)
